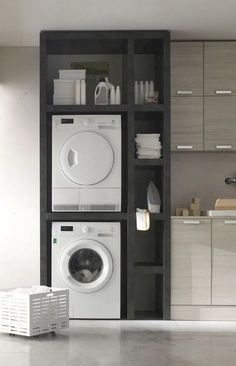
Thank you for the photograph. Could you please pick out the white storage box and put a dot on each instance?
(33, 310)
(64, 100)
(64, 87)
(72, 74)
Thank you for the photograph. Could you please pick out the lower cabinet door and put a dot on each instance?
(224, 262)
(191, 262)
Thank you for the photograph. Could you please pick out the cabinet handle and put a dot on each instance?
(230, 222)
(184, 147)
(191, 222)
(223, 147)
(184, 92)
(224, 92)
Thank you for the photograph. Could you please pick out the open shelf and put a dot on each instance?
(87, 108)
(148, 162)
(86, 216)
(148, 107)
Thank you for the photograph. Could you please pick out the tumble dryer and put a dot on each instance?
(86, 260)
(86, 163)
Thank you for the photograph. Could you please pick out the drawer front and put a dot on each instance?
(187, 124)
(224, 262)
(220, 123)
(191, 262)
(220, 68)
(186, 68)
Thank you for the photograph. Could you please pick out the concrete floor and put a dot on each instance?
(108, 343)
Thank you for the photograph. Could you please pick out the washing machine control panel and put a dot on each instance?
(83, 229)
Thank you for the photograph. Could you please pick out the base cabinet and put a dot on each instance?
(203, 269)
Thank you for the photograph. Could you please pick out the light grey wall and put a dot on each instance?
(201, 175)
(19, 166)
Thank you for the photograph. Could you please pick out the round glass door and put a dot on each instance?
(86, 158)
(86, 265)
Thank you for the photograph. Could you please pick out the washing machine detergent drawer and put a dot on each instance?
(86, 199)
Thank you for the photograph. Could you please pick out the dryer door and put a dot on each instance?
(86, 158)
(86, 265)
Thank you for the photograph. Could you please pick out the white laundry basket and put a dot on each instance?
(33, 310)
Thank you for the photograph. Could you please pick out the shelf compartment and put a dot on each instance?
(87, 108)
(148, 268)
(148, 162)
(86, 216)
(148, 294)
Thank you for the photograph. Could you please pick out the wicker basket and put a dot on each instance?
(33, 311)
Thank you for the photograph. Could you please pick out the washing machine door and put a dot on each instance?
(86, 158)
(86, 265)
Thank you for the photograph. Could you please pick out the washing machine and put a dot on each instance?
(86, 260)
(86, 163)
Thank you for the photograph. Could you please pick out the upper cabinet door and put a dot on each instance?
(220, 123)
(187, 124)
(220, 68)
(187, 68)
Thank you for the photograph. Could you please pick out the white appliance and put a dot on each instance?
(86, 163)
(86, 260)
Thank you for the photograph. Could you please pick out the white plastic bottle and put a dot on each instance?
(117, 98)
(141, 93)
(146, 91)
(112, 95)
(83, 92)
(136, 93)
(77, 92)
(151, 89)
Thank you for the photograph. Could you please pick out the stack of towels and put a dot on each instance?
(148, 145)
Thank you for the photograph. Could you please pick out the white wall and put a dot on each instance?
(19, 166)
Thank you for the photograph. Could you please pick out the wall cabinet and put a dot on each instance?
(220, 68)
(224, 262)
(187, 68)
(191, 262)
(220, 123)
(211, 125)
(187, 124)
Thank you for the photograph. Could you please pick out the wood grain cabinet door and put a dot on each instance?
(187, 124)
(186, 68)
(191, 262)
(224, 262)
(220, 123)
(220, 68)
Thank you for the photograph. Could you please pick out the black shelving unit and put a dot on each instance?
(140, 55)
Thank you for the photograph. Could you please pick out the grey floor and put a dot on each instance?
(95, 343)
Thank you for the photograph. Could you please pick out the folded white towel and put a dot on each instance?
(147, 151)
(149, 157)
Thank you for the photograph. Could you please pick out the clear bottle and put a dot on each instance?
(117, 98)
(83, 92)
(141, 92)
(146, 91)
(151, 89)
(77, 92)
(136, 93)
(112, 95)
